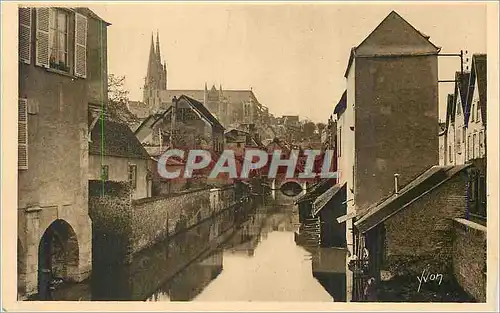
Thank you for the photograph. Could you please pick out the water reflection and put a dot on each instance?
(262, 262)
(248, 253)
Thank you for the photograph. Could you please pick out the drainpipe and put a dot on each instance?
(396, 180)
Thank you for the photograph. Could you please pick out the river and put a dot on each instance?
(247, 253)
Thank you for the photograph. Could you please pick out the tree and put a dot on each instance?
(116, 89)
(308, 129)
(320, 127)
(117, 101)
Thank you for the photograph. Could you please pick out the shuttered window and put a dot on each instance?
(25, 35)
(58, 39)
(80, 45)
(42, 36)
(23, 134)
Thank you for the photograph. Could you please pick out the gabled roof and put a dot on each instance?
(203, 111)
(461, 86)
(115, 139)
(479, 71)
(341, 105)
(450, 105)
(427, 181)
(197, 106)
(482, 81)
(406, 44)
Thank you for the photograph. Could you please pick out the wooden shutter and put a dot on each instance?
(80, 45)
(25, 35)
(23, 134)
(42, 36)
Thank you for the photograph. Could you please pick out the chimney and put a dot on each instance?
(396, 183)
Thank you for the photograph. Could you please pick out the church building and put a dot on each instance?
(233, 108)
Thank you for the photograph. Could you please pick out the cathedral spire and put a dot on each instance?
(152, 69)
(158, 46)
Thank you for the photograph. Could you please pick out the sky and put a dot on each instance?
(292, 55)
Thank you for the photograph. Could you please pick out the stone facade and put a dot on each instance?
(52, 179)
(421, 235)
(136, 224)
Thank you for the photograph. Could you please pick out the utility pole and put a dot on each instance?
(461, 56)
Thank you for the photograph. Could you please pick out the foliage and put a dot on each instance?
(116, 89)
(117, 109)
(320, 127)
(308, 129)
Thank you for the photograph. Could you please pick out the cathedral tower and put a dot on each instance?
(156, 77)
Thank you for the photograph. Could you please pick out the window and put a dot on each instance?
(464, 131)
(469, 147)
(52, 40)
(474, 143)
(459, 141)
(478, 108)
(105, 172)
(472, 112)
(481, 143)
(132, 175)
(58, 40)
(22, 152)
(450, 156)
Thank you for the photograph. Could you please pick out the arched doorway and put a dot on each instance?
(57, 256)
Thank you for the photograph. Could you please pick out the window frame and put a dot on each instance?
(474, 141)
(481, 143)
(132, 175)
(478, 111)
(55, 31)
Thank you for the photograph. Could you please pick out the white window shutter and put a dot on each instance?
(80, 45)
(23, 135)
(42, 36)
(25, 35)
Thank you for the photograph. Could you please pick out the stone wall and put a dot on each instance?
(123, 227)
(469, 258)
(421, 235)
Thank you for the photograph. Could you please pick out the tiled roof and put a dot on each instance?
(115, 139)
(342, 104)
(430, 179)
(325, 197)
(392, 14)
(233, 96)
(138, 108)
(481, 74)
(203, 111)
